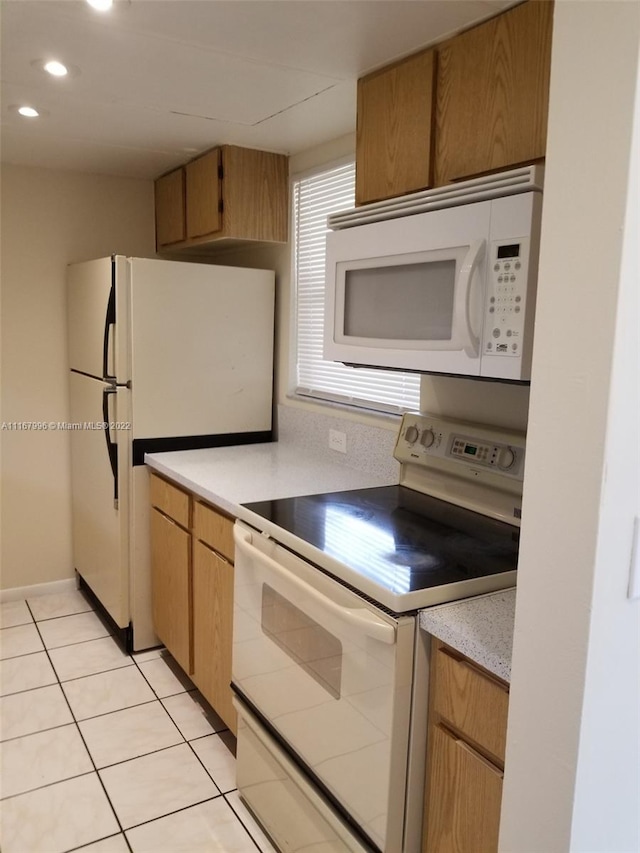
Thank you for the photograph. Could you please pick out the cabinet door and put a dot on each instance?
(463, 798)
(213, 630)
(255, 192)
(493, 92)
(203, 195)
(171, 584)
(394, 129)
(170, 213)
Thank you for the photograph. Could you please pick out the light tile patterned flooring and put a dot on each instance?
(107, 753)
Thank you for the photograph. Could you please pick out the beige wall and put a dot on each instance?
(49, 219)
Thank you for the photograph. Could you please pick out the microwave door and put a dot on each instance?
(412, 311)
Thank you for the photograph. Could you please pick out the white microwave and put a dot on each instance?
(449, 290)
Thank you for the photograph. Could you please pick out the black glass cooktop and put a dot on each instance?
(398, 538)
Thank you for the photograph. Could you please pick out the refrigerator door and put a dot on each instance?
(100, 490)
(96, 292)
(202, 348)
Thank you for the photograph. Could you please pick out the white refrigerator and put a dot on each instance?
(163, 356)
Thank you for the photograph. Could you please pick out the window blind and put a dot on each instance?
(314, 198)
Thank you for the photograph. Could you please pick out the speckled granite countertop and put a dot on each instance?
(231, 476)
(480, 628)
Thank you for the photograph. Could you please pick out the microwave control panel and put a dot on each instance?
(505, 303)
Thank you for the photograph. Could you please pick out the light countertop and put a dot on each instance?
(231, 476)
(480, 628)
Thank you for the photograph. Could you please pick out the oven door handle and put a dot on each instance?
(359, 618)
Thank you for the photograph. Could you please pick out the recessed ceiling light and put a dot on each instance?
(27, 111)
(101, 5)
(55, 68)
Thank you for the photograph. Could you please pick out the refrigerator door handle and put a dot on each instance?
(108, 355)
(112, 447)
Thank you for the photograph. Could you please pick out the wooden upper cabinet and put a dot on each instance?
(170, 213)
(230, 193)
(204, 195)
(492, 94)
(255, 191)
(395, 129)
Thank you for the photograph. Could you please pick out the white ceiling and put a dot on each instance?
(161, 80)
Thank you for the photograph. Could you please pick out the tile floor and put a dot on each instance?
(104, 752)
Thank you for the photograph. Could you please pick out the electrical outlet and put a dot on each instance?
(338, 440)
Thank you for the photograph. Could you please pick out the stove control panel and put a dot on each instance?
(444, 443)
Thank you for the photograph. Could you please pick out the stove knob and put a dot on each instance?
(506, 458)
(427, 438)
(411, 434)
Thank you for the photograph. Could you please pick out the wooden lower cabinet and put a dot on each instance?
(465, 762)
(213, 629)
(465, 797)
(171, 579)
(192, 589)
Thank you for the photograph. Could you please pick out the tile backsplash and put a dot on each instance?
(369, 448)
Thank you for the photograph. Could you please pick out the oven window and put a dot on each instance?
(306, 642)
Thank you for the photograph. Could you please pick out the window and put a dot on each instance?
(314, 198)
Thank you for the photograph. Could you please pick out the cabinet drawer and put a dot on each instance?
(170, 500)
(475, 704)
(214, 529)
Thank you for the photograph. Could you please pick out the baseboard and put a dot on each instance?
(20, 592)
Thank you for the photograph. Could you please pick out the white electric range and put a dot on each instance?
(330, 669)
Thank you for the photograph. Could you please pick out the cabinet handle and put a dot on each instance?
(169, 519)
(477, 755)
(213, 551)
(459, 659)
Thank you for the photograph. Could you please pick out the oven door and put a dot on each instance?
(330, 676)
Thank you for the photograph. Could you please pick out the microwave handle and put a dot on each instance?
(470, 341)
(361, 619)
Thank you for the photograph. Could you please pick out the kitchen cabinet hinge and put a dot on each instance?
(220, 172)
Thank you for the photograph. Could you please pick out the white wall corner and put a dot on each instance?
(571, 771)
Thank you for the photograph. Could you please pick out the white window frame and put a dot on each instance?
(403, 388)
